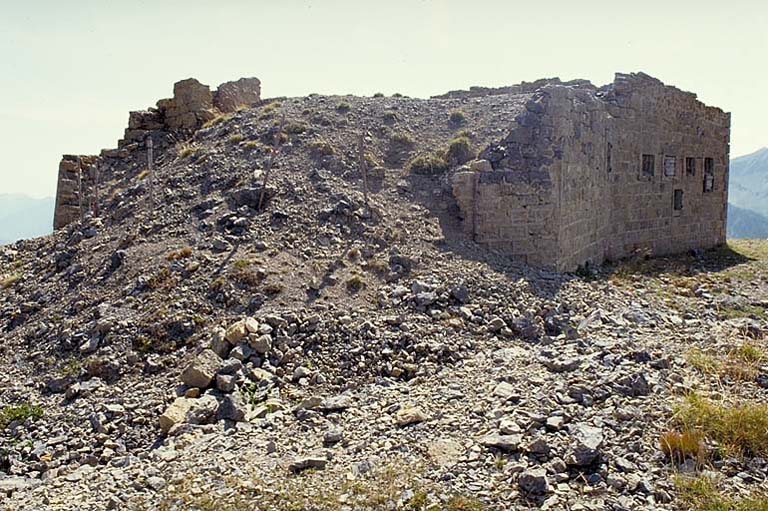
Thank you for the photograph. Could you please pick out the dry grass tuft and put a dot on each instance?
(355, 283)
(740, 364)
(186, 149)
(182, 253)
(703, 494)
(321, 147)
(402, 138)
(217, 120)
(678, 446)
(269, 110)
(459, 151)
(9, 281)
(457, 117)
(428, 164)
(740, 429)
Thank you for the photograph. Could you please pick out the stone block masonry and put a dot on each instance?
(192, 105)
(588, 174)
(75, 188)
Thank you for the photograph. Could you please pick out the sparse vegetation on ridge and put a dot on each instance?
(21, 413)
(702, 493)
(9, 281)
(738, 428)
(428, 164)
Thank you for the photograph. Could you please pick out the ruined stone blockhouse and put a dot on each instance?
(568, 174)
(588, 174)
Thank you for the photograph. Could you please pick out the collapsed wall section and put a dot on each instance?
(75, 190)
(508, 199)
(174, 119)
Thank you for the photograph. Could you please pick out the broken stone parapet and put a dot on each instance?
(192, 105)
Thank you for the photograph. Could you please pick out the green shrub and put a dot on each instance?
(10, 280)
(21, 413)
(236, 138)
(343, 107)
(459, 151)
(402, 138)
(428, 164)
(378, 95)
(321, 147)
(457, 117)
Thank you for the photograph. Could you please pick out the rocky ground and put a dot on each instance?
(197, 352)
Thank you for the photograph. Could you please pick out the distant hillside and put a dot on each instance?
(748, 186)
(748, 196)
(745, 223)
(22, 216)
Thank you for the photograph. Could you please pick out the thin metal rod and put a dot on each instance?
(151, 169)
(270, 162)
(363, 169)
(80, 188)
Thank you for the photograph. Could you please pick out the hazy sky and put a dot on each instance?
(71, 70)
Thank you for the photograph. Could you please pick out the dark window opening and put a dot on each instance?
(609, 157)
(649, 164)
(670, 166)
(690, 166)
(678, 200)
(709, 174)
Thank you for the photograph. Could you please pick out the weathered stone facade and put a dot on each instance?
(75, 188)
(192, 105)
(590, 174)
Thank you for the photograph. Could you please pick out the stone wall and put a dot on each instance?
(673, 127)
(569, 185)
(192, 105)
(75, 188)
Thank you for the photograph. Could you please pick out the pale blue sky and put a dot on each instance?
(71, 70)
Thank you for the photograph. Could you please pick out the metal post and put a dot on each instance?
(151, 170)
(95, 194)
(272, 156)
(363, 169)
(80, 188)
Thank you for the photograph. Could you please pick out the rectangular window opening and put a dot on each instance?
(649, 165)
(678, 200)
(690, 166)
(709, 174)
(670, 166)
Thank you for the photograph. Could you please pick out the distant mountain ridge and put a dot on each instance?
(23, 217)
(748, 196)
(745, 223)
(749, 182)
